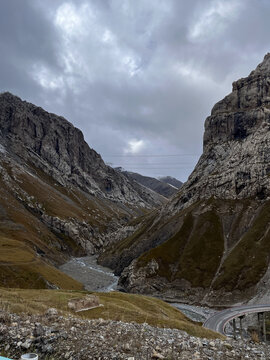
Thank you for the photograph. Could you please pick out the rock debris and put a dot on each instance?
(53, 336)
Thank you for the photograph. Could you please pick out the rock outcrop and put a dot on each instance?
(211, 241)
(56, 336)
(54, 145)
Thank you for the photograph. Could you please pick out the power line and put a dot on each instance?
(160, 168)
(150, 164)
(151, 155)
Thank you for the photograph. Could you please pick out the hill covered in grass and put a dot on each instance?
(116, 306)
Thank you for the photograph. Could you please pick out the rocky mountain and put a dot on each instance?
(161, 187)
(171, 181)
(57, 197)
(211, 242)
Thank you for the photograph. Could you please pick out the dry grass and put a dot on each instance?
(20, 267)
(255, 337)
(22, 233)
(193, 253)
(14, 251)
(117, 306)
(248, 260)
(37, 275)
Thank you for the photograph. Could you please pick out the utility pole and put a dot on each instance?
(241, 325)
(264, 327)
(260, 330)
(234, 329)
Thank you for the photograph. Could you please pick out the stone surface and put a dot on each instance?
(86, 303)
(53, 144)
(77, 339)
(171, 181)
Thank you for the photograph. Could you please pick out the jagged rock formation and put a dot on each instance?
(57, 197)
(211, 241)
(161, 187)
(58, 148)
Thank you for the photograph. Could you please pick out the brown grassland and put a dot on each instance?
(116, 306)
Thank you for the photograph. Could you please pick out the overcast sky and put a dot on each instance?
(137, 77)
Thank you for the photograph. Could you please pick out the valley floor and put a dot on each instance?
(94, 277)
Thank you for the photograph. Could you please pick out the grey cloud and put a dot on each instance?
(26, 39)
(150, 81)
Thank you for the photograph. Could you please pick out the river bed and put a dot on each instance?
(98, 278)
(94, 277)
(195, 313)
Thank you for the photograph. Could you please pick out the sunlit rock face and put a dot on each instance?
(210, 242)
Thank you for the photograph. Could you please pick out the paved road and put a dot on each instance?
(218, 321)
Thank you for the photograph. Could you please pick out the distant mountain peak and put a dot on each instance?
(162, 187)
(171, 181)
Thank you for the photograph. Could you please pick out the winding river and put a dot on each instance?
(101, 279)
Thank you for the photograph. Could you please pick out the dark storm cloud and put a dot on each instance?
(137, 77)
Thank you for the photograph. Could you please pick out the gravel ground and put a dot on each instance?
(54, 337)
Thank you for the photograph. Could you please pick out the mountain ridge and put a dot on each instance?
(57, 197)
(171, 181)
(210, 242)
(159, 186)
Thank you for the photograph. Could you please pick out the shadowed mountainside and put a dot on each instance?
(57, 197)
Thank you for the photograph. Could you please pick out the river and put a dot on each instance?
(101, 279)
(94, 277)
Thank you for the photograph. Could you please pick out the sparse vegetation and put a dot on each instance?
(255, 337)
(23, 233)
(21, 267)
(117, 306)
(248, 260)
(192, 253)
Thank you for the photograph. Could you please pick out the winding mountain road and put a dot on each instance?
(219, 320)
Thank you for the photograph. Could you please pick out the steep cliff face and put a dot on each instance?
(57, 197)
(54, 145)
(211, 242)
